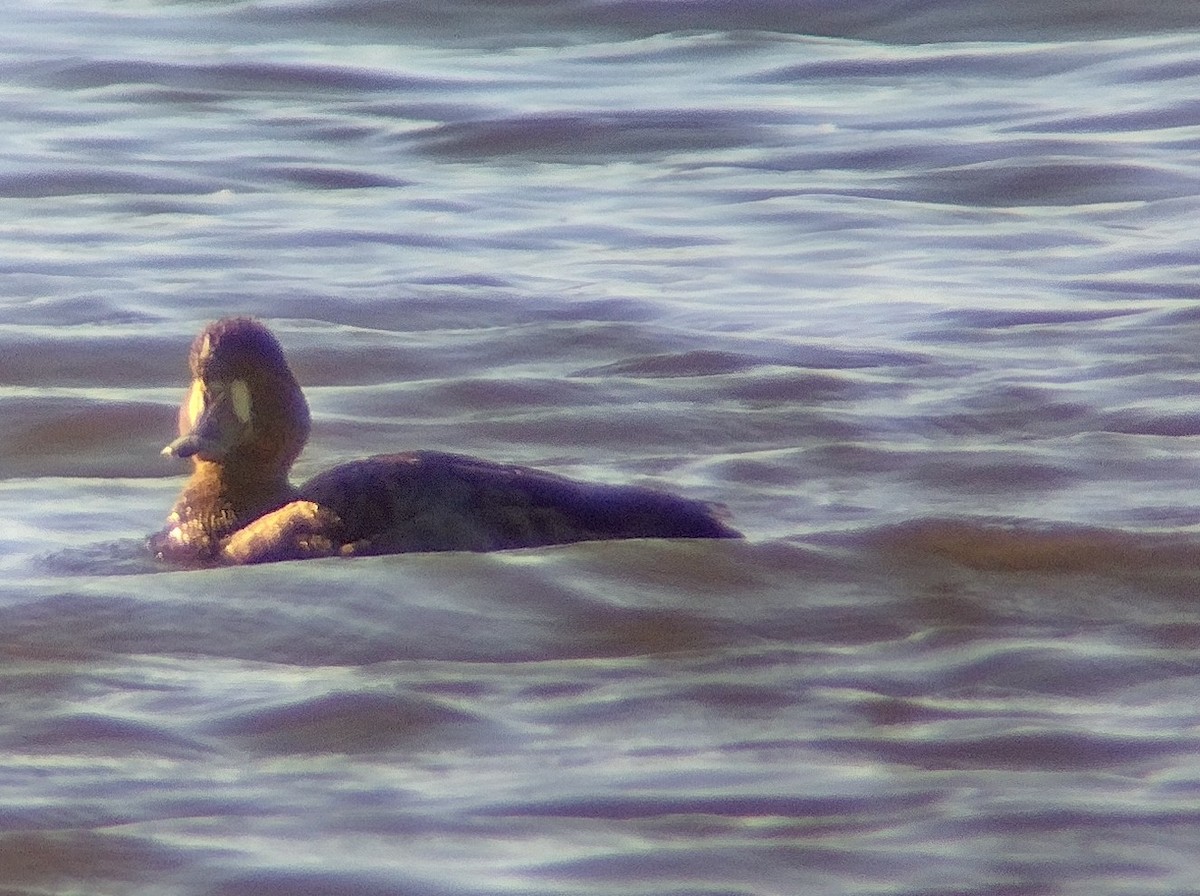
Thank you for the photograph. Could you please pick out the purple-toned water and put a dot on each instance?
(910, 287)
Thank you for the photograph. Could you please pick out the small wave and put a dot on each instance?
(1033, 546)
(1144, 422)
(125, 557)
(676, 364)
(96, 861)
(350, 722)
(93, 733)
(1007, 61)
(328, 178)
(715, 362)
(47, 182)
(875, 20)
(1003, 319)
(1033, 749)
(610, 134)
(76, 438)
(242, 77)
(1184, 114)
(1045, 182)
(292, 882)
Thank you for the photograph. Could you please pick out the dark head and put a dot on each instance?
(244, 407)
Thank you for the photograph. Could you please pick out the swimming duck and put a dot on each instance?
(244, 421)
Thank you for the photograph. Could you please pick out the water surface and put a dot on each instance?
(910, 288)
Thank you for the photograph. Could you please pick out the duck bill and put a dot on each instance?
(211, 437)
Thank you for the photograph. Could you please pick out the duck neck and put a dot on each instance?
(226, 496)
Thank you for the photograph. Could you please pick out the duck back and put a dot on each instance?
(433, 501)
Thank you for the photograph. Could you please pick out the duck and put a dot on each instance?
(244, 421)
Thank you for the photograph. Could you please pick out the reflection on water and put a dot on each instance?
(918, 310)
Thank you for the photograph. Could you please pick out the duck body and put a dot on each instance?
(244, 421)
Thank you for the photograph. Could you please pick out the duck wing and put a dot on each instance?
(433, 501)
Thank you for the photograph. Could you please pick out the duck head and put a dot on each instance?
(244, 408)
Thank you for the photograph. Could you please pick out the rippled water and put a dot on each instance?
(909, 287)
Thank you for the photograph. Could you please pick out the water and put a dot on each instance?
(910, 288)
